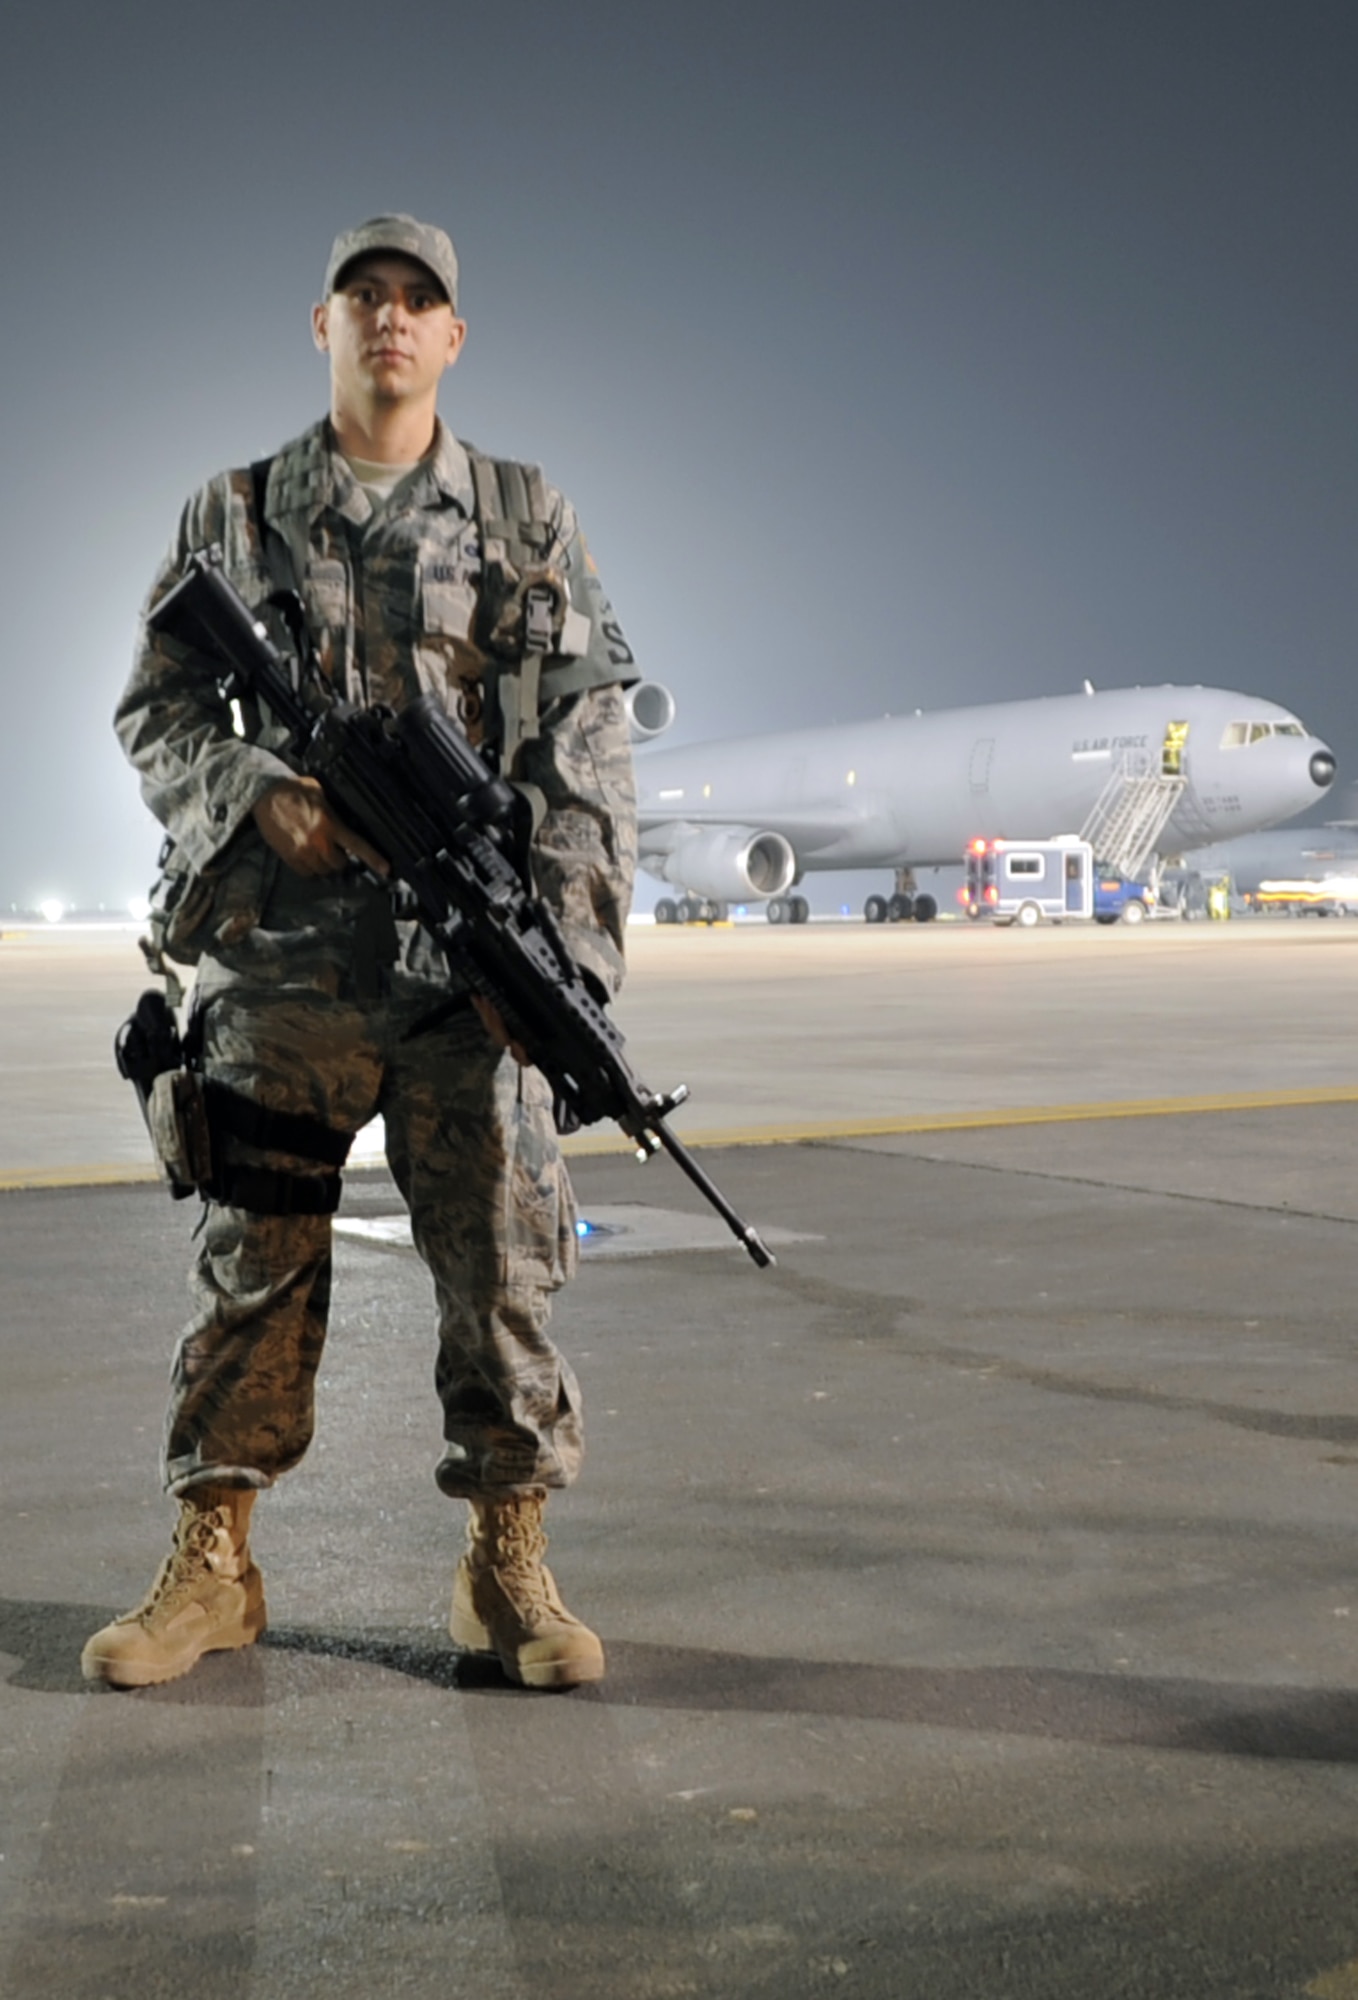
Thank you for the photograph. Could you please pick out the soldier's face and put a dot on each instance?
(389, 331)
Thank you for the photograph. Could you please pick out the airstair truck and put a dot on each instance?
(1025, 881)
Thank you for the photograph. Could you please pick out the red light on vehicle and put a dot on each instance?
(978, 847)
(964, 898)
(992, 894)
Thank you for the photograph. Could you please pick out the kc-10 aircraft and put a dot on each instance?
(743, 819)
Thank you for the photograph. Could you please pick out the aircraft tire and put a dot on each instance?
(900, 909)
(926, 909)
(1028, 915)
(690, 910)
(874, 910)
(798, 910)
(665, 912)
(776, 911)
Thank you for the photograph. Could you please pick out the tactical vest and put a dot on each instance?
(535, 644)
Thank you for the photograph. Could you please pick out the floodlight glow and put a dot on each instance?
(139, 909)
(52, 910)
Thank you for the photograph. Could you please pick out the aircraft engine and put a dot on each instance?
(650, 710)
(730, 864)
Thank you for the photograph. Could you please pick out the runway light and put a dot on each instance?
(51, 910)
(588, 1232)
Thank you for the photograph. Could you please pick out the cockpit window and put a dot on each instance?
(1236, 734)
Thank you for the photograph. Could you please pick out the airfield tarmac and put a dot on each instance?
(979, 1585)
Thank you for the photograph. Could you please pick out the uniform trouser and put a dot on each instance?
(471, 1144)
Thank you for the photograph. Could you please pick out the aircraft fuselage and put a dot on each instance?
(911, 791)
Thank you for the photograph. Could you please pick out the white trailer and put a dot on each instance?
(1023, 881)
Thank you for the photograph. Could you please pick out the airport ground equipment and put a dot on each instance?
(1136, 805)
(1024, 881)
(412, 785)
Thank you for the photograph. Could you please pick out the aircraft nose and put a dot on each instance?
(1322, 769)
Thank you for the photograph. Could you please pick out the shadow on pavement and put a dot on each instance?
(1314, 1724)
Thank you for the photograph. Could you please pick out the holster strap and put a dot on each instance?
(266, 1192)
(272, 1131)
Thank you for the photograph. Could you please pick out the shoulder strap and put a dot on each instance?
(517, 535)
(277, 555)
(511, 510)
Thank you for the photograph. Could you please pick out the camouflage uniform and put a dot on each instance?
(308, 992)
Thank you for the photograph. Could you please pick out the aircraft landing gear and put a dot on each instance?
(690, 910)
(788, 910)
(900, 909)
(906, 902)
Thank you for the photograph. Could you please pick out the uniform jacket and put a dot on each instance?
(391, 601)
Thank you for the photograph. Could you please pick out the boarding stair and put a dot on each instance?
(1131, 812)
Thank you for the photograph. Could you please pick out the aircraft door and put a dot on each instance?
(1172, 750)
(979, 770)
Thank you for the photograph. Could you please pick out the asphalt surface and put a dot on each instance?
(978, 1585)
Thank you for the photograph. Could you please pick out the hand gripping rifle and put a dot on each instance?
(417, 791)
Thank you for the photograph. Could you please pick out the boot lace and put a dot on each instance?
(188, 1564)
(514, 1547)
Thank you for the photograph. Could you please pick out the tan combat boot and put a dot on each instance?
(208, 1597)
(505, 1600)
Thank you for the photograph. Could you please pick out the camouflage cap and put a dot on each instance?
(407, 238)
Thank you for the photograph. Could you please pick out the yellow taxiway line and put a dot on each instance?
(968, 1121)
(594, 1144)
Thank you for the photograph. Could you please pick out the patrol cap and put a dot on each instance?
(403, 235)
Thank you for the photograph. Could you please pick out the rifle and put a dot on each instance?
(452, 831)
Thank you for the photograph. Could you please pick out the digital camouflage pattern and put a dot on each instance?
(309, 990)
(471, 1146)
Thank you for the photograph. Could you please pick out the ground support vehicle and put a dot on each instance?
(1028, 881)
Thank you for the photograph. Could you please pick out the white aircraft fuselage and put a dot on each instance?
(911, 791)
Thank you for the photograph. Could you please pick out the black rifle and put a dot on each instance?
(416, 790)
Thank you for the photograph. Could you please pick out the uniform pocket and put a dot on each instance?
(325, 591)
(542, 1231)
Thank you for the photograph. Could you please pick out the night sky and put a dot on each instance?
(892, 358)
